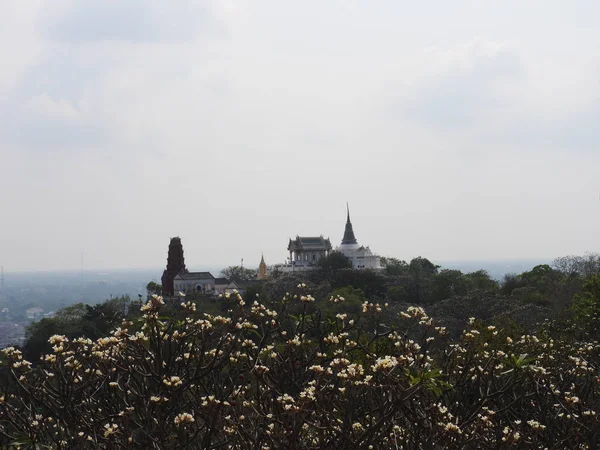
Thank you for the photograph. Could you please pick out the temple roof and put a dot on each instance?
(349, 237)
(309, 243)
(221, 281)
(195, 276)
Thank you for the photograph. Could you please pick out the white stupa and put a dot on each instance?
(361, 257)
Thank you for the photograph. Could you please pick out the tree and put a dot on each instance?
(101, 318)
(67, 321)
(583, 266)
(37, 334)
(71, 313)
(544, 279)
(371, 282)
(448, 283)
(586, 306)
(153, 288)
(481, 280)
(394, 266)
(335, 261)
(75, 321)
(238, 273)
(510, 282)
(397, 294)
(352, 304)
(422, 270)
(537, 274)
(253, 291)
(423, 266)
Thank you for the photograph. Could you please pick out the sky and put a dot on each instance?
(462, 130)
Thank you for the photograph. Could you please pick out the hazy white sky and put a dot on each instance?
(456, 130)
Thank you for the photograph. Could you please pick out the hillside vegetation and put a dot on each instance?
(332, 361)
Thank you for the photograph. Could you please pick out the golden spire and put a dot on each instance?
(262, 268)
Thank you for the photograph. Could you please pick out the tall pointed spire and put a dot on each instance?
(349, 237)
(262, 269)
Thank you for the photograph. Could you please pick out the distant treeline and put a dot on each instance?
(451, 296)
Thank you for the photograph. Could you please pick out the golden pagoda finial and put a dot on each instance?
(262, 268)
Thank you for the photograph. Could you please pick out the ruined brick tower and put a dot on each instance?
(175, 265)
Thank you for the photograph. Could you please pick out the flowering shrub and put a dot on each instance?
(259, 377)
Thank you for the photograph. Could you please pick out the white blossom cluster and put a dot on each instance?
(266, 376)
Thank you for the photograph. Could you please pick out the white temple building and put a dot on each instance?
(360, 256)
(305, 252)
(194, 282)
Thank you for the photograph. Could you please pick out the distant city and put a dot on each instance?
(29, 296)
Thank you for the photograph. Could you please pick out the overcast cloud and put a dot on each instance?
(456, 130)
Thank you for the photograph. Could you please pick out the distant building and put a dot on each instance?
(220, 285)
(241, 286)
(233, 287)
(34, 313)
(361, 257)
(202, 282)
(11, 334)
(305, 253)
